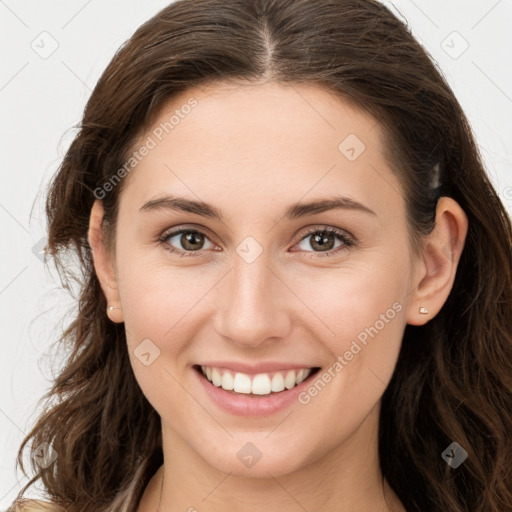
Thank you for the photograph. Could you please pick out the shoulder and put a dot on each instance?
(30, 505)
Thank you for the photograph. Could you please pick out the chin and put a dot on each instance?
(250, 461)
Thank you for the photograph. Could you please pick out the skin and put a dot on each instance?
(251, 151)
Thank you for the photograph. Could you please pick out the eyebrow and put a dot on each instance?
(295, 211)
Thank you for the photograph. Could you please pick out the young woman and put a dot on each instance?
(297, 277)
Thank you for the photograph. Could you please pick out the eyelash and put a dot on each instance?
(348, 241)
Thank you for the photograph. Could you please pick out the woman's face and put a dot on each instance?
(259, 286)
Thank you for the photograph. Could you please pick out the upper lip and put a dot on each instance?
(252, 369)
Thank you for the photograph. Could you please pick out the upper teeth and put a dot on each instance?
(260, 384)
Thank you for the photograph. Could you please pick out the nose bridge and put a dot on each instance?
(248, 310)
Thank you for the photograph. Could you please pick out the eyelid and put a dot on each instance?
(175, 230)
(309, 230)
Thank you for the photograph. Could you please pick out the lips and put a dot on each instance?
(259, 384)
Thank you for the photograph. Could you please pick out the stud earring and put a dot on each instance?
(110, 308)
(423, 311)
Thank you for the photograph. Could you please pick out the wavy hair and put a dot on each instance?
(453, 378)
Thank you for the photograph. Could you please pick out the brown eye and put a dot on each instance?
(186, 240)
(192, 241)
(323, 241)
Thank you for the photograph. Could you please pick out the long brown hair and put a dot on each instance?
(453, 379)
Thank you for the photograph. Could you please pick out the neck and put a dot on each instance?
(347, 478)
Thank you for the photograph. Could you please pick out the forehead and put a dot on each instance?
(269, 142)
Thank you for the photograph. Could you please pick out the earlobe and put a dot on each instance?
(435, 274)
(103, 262)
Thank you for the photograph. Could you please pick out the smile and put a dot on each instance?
(262, 384)
(257, 393)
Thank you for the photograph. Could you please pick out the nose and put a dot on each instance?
(252, 304)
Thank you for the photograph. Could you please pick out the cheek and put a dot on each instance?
(348, 300)
(362, 325)
(365, 349)
(157, 309)
(157, 297)
(157, 343)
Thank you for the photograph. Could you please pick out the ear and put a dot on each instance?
(104, 262)
(435, 274)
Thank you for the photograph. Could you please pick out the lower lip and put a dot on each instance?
(251, 405)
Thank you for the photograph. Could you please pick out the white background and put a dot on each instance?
(41, 99)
